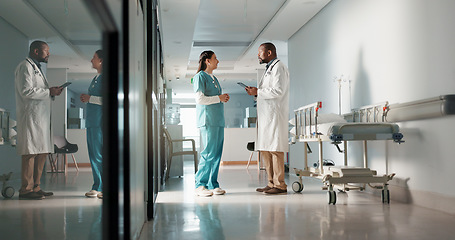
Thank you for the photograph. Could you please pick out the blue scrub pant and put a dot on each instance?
(209, 163)
(95, 150)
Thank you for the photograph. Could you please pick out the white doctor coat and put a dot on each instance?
(273, 109)
(33, 110)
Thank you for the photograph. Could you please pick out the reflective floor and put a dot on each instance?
(241, 214)
(66, 215)
(245, 214)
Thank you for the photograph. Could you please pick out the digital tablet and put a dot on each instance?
(65, 85)
(241, 84)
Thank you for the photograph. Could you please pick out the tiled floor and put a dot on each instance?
(245, 214)
(241, 214)
(66, 215)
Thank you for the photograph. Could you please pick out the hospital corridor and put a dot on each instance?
(236, 120)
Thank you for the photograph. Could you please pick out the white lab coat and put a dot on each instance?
(273, 109)
(33, 110)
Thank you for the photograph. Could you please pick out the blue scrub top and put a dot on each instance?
(94, 111)
(213, 114)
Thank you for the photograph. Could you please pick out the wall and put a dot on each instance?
(234, 109)
(14, 50)
(77, 102)
(79, 137)
(56, 77)
(235, 142)
(396, 51)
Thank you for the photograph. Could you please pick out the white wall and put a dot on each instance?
(56, 77)
(396, 51)
(14, 50)
(235, 142)
(77, 102)
(234, 109)
(79, 137)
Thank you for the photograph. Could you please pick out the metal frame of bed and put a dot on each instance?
(344, 178)
(6, 190)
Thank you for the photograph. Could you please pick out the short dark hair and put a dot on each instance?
(100, 54)
(37, 45)
(269, 46)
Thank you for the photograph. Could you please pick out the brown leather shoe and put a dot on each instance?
(263, 189)
(46, 194)
(276, 191)
(31, 196)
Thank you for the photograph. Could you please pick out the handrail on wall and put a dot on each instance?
(422, 109)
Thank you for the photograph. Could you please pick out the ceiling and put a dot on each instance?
(232, 29)
(66, 26)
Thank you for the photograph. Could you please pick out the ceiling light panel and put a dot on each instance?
(220, 44)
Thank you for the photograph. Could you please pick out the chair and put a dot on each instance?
(172, 154)
(250, 147)
(62, 147)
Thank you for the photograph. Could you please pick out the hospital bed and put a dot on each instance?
(365, 124)
(6, 138)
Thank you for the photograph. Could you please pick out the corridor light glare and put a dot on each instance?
(120, 96)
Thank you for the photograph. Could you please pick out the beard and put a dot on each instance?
(43, 59)
(261, 61)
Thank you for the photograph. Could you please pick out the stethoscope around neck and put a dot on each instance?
(33, 66)
(269, 69)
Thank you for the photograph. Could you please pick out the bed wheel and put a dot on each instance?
(8, 192)
(385, 196)
(332, 197)
(297, 187)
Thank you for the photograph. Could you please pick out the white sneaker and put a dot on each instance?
(203, 192)
(100, 195)
(91, 194)
(218, 191)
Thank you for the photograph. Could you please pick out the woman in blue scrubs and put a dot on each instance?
(93, 125)
(210, 121)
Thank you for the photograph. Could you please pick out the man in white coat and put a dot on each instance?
(272, 95)
(33, 110)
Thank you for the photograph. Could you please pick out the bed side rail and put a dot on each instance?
(4, 126)
(307, 116)
(370, 113)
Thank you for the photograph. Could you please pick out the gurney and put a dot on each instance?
(365, 125)
(7, 136)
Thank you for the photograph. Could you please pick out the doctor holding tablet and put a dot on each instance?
(272, 96)
(33, 109)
